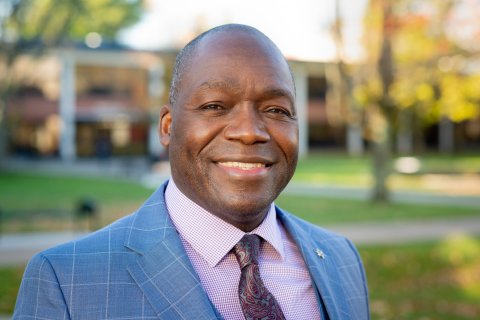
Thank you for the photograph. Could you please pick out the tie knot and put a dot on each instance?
(247, 249)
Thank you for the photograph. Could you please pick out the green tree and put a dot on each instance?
(414, 72)
(33, 26)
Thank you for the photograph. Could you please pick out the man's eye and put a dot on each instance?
(278, 110)
(212, 106)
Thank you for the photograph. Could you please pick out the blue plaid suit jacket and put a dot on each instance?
(137, 268)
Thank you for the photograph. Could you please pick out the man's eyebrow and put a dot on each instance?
(279, 93)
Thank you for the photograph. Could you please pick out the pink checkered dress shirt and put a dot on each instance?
(208, 240)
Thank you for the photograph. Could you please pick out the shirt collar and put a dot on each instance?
(204, 231)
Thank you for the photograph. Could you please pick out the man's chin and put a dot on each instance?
(245, 210)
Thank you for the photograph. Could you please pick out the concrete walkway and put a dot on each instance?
(18, 248)
(407, 231)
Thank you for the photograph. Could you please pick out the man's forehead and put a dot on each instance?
(235, 71)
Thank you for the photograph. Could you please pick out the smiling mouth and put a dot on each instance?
(242, 165)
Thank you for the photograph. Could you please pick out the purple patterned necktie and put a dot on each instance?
(256, 301)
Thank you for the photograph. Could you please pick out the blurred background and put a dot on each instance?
(388, 97)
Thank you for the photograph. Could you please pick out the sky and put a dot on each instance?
(301, 28)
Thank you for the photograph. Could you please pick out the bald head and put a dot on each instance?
(184, 57)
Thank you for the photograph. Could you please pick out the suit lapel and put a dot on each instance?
(322, 270)
(163, 271)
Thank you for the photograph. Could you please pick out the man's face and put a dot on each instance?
(232, 133)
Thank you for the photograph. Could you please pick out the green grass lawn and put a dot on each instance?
(44, 202)
(438, 173)
(324, 211)
(438, 280)
(9, 284)
(340, 165)
(328, 168)
(28, 190)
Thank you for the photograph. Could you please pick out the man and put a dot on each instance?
(232, 136)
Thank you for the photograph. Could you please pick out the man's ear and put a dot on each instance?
(164, 125)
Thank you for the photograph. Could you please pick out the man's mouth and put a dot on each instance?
(242, 165)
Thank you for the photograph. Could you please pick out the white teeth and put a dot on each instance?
(242, 165)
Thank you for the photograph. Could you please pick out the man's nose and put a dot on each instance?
(246, 125)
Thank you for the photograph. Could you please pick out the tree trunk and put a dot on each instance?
(4, 94)
(446, 136)
(381, 169)
(382, 126)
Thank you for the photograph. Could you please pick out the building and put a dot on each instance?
(87, 103)
(102, 103)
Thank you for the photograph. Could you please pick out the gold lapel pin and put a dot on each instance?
(320, 253)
